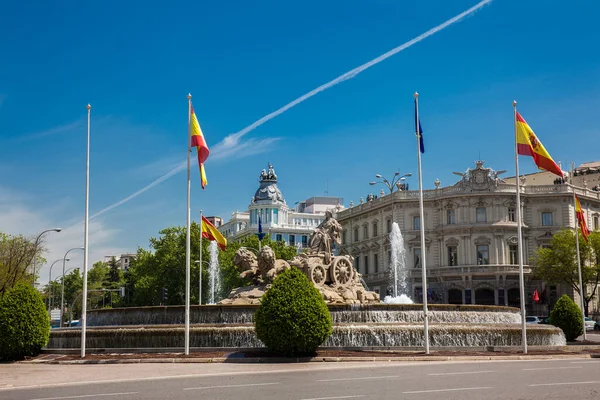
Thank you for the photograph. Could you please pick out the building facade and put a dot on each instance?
(470, 237)
(123, 261)
(277, 220)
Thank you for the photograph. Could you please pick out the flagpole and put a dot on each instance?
(520, 238)
(577, 247)
(422, 226)
(200, 273)
(187, 234)
(85, 238)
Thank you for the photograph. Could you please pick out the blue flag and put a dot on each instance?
(261, 235)
(419, 130)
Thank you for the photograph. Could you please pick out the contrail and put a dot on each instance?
(232, 140)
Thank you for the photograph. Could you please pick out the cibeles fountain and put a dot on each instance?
(360, 318)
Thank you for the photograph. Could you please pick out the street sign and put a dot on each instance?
(55, 315)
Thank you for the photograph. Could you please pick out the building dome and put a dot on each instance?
(268, 190)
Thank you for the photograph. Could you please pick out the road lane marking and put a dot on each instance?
(459, 373)
(359, 378)
(232, 386)
(547, 368)
(336, 397)
(564, 383)
(86, 395)
(447, 390)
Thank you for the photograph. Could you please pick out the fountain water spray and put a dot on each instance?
(214, 273)
(398, 272)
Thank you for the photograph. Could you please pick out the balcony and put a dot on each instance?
(441, 272)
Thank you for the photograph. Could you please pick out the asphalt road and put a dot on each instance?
(555, 379)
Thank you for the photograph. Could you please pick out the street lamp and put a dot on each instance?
(50, 281)
(396, 183)
(37, 240)
(200, 280)
(62, 296)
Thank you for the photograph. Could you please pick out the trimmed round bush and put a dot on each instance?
(24, 323)
(567, 316)
(292, 318)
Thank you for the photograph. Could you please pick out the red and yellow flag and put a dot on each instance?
(210, 232)
(581, 219)
(200, 144)
(529, 145)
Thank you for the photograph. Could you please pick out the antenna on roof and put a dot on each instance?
(327, 188)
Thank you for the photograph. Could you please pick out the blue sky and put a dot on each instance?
(135, 62)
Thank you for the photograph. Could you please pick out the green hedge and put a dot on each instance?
(24, 323)
(567, 316)
(292, 318)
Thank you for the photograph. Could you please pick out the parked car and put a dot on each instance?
(589, 324)
(545, 320)
(533, 320)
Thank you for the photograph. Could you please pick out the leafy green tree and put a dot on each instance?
(293, 318)
(16, 258)
(24, 322)
(567, 316)
(114, 273)
(558, 263)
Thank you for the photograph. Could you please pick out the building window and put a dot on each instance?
(513, 257)
(375, 229)
(546, 219)
(279, 237)
(366, 232)
(483, 254)
(389, 225)
(304, 241)
(376, 262)
(501, 297)
(292, 240)
(417, 257)
(356, 234)
(452, 256)
(595, 222)
(344, 237)
(366, 264)
(512, 214)
(357, 263)
(416, 223)
(275, 216)
(450, 217)
(481, 217)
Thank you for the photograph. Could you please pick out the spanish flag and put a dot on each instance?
(200, 144)
(210, 232)
(529, 145)
(581, 219)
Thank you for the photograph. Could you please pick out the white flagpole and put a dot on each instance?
(85, 238)
(578, 256)
(187, 234)
(422, 226)
(520, 238)
(200, 273)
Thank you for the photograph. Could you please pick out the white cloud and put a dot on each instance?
(16, 217)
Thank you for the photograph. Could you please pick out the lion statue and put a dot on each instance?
(268, 265)
(246, 262)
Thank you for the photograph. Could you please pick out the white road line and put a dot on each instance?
(460, 373)
(86, 395)
(336, 397)
(447, 390)
(547, 368)
(232, 386)
(564, 383)
(359, 378)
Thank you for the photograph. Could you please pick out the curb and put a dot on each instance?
(280, 360)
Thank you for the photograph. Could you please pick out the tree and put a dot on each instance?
(567, 316)
(558, 263)
(16, 257)
(292, 318)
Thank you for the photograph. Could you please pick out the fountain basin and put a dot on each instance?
(244, 314)
(344, 335)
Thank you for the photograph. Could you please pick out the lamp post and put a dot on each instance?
(62, 296)
(200, 280)
(50, 281)
(37, 241)
(396, 183)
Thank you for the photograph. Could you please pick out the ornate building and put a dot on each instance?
(470, 235)
(291, 225)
